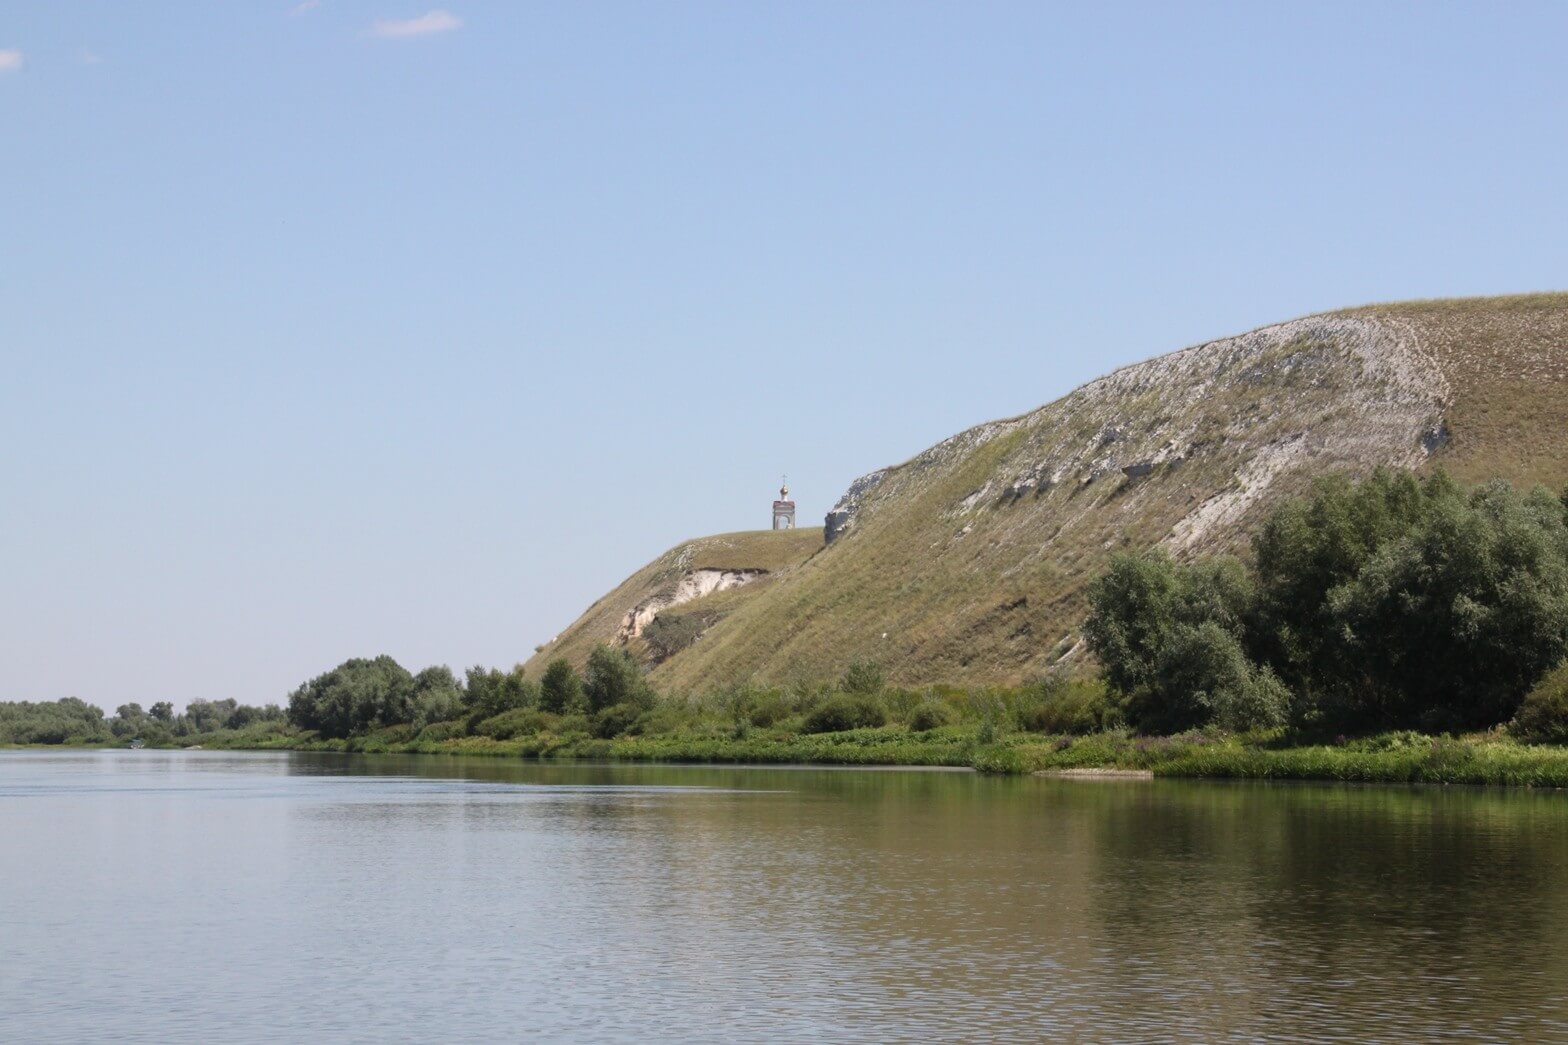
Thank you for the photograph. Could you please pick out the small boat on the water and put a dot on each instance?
(136, 745)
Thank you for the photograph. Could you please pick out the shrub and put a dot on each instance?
(519, 722)
(1543, 716)
(613, 677)
(845, 711)
(767, 708)
(668, 634)
(932, 714)
(863, 677)
(1260, 702)
(439, 731)
(1072, 706)
(901, 703)
(615, 720)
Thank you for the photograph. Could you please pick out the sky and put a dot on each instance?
(334, 329)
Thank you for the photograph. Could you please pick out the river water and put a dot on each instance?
(207, 896)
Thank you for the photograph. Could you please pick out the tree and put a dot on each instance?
(204, 716)
(437, 696)
(490, 692)
(63, 721)
(1393, 602)
(613, 677)
(1451, 624)
(128, 720)
(1172, 639)
(355, 697)
(561, 689)
(163, 711)
(1310, 548)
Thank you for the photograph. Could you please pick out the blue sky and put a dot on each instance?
(347, 328)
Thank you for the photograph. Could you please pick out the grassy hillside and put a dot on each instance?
(763, 555)
(1506, 360)
(968, 562)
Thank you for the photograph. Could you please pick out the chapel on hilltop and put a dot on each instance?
(784, 508)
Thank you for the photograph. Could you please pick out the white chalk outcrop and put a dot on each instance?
(691, 586)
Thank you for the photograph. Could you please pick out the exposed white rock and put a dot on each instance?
(1387, 403)
(692, 585)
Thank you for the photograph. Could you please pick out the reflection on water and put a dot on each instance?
(199, 896)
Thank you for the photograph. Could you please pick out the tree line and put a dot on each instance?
(74, 721)
(362, 695)
(1392, 602)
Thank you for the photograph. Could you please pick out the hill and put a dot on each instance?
(968, 562)
(664, 607)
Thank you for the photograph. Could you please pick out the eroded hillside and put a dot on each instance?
(968, 562)
(669, 604)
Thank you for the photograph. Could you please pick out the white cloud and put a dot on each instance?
(10, 61)
(437, 21)
(303, 6)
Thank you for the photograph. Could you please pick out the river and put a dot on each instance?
(207, 896)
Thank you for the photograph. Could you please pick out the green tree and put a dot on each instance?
(613, 677)
(1451, 624)
(561, 689)
(67, 721)
(437, 696)
(491, 692)
(353, 698)
(1393, 602)
(1309, 549)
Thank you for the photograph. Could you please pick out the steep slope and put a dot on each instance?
(691, 587)
(968, 562)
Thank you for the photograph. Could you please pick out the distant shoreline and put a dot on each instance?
(1388, 759)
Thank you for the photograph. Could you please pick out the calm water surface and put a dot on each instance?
(186, 897)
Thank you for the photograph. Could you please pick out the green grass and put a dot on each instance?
(1396, 758)
(776, 551)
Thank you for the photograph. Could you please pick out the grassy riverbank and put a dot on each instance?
(1490, 758)
(994, 731)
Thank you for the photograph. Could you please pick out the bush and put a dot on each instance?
(668, 634)
(1260, 702)
(766, 709)
(1072, 706)
(666, 716)
(863, 677)
(845, 711)
(932, 714)
(613, 677)
(1543, 716)
(519, 722)
(439, 731)
(616, 720)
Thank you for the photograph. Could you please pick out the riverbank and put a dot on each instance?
(1491, 758)
(1393, 758)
